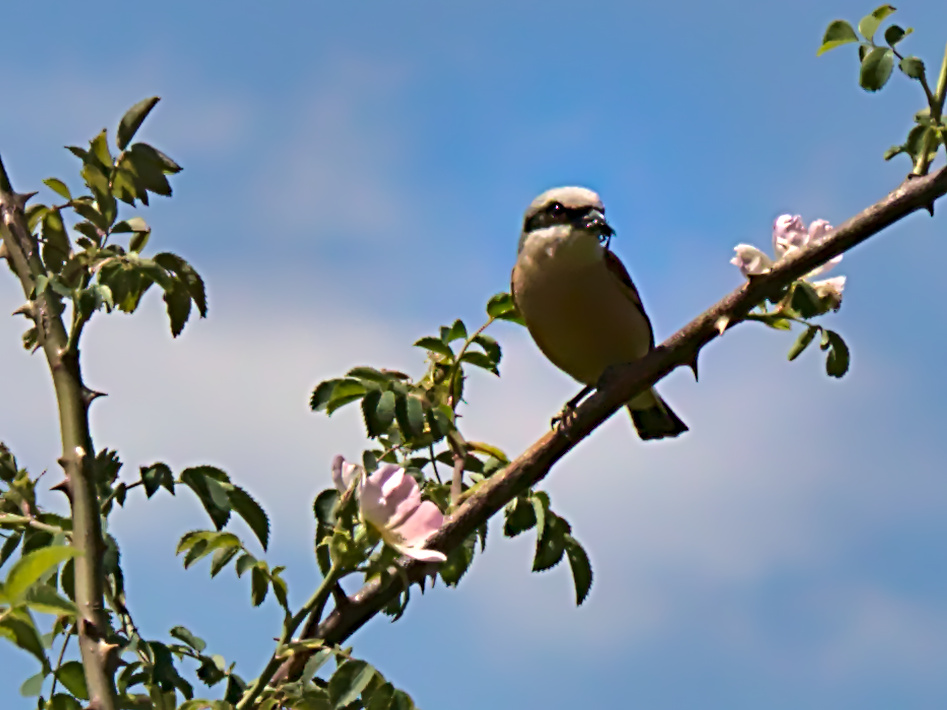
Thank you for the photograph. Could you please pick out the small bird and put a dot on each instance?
(578, 301)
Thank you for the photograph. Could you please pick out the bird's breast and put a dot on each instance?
(579, 313)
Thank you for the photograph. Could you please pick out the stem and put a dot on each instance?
(456, 367)
(62, 653)
(78, 452)
(936, 103)
(8, 518)
(315, 606)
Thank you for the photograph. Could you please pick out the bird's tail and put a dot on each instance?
(656, 421)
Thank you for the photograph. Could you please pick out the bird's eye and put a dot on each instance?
(555, 208)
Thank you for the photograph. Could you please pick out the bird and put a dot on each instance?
(579, 302)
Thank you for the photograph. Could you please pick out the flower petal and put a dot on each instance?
(750, 260)
(426, 520)
(819, 230)
(831, 289)
(343, 473)
(388, 497)
(789, 233)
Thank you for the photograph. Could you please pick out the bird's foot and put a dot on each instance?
(564, 419)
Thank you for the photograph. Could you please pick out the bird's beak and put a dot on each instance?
(594, 221)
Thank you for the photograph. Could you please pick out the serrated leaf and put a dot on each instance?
(212, 495)
(27, 570)
(458, 561)
(187, 276)
(490, 346)
(244, 562)
(183, 634)
(156, 475)
(132, 121)
(480, 360)
(322, 394)
(581, 568)
(9, 546)
(435, 345)
(802, 342)
(259, 585)
(345, 392)
(870, 23)
(71, 675)
(519, 515)
(457, 331)
(912, 67)
(838, 32)
(58, 186)
(409, 411)
(805, 301)
(876, 69)
(179, 307)
(220, 559)
(243, 504)
(348, 681)
(550, 547)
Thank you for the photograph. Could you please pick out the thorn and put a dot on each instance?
(63, 487)
(693, 366)
(89, 396)
(25, 310)
(722, 323)
(3, 250)
(23, 198)
(930, 209)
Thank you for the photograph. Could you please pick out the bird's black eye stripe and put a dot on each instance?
(555, 213)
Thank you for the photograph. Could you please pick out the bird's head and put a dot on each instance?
(565, 212)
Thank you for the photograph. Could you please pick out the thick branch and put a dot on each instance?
(680, 349)
(21, 250)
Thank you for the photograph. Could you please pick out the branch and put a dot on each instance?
(21, 251)
(681, 349)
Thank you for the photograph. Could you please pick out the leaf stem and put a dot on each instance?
(315, 606)
(936, 104)
(456, 367)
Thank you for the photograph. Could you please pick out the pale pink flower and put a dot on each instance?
(790, 235)
(389, 501)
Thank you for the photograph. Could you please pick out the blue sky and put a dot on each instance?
(355, 176)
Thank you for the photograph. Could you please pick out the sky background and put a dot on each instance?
(355, 175)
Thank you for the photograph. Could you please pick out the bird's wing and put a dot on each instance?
(613, 264)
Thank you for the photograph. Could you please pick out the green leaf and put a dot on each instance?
(33, 685)
(581, 568)
(490, 346)
(9, 546)
(895, 34)
(876, 69)
(187, 276)
(182, 634)
(323, 507)
(869, 24)
(204, 481)
(132, 121)
(458, 561)
(838, 358)
(805, 301)
(322, 394)
(246, 507)
(71, 675)
(348, 682)
(244, 562)
(378, 410)
(480, 360)
(912, 67)
(802, 342)
(43, 598)
(520, 516)
(27, 570)
(457, 331)
(220, 559)
(259, 584)
(836, 34)
(58, 186)
(179, 307)
(409, 411)
(56, 245)
(435, 345)
(345, 392)
(551, 545)
(17, 626)
(155, 476)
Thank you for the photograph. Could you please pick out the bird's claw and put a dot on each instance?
(564, 419)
